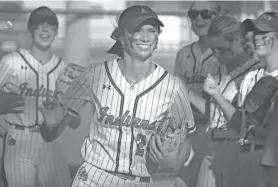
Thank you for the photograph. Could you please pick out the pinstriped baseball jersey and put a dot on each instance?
(229, 83)
(246, 86)
(250, 80)
(32, 80)
(195, 65)
(124, 117)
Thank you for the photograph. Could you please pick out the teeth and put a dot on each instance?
(144, 46)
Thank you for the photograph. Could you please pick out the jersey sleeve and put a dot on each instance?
(6, 68)
(180, 63)
(181, 107)
(243, 91)
(78, 93)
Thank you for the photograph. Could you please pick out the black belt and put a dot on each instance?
(129, 177)
(222, 135)
(250, 147)
(33, 128)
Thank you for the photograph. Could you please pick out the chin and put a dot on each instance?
(261, 52)
(44, 47)
(201, 32)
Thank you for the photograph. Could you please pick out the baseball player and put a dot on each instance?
(224, 38)
(193, 63)
(266, 46)
(28, 160)
(129, 95)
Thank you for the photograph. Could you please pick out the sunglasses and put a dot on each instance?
(205, 14)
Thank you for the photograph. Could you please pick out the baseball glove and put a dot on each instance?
(67, 77)
(259, 100)
(171, 132)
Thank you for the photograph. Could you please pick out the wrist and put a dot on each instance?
(217, 96)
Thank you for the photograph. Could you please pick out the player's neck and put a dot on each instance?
(271, 62)
(134, 68)
(202, 44)
(42, 56)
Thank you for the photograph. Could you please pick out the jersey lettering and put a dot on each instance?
(125, 120)
(38, 92)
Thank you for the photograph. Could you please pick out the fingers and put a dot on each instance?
(17, 104)
(154, 150)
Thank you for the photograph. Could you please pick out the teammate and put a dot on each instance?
(226, 42)
(129, 96)
(28, 160)
(266, 47)
(196, 60)
(193, 63)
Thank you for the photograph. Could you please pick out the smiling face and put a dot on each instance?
(200, 24)
(44, 35)
(142, 43)
(265, 43)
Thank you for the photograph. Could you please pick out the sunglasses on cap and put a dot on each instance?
(205, 14)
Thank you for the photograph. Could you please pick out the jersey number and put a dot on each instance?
(141, 142)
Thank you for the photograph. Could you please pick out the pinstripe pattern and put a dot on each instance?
(89, 175)
(196, 65)
(229, 87)
(31, 161)
(124, 119)
(206, 176)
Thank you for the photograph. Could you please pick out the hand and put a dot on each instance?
(9, 102)
(167, 160)
(53, 113)
(211, 86)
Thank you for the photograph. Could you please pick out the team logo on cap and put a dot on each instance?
(143, 11)
(267, 17)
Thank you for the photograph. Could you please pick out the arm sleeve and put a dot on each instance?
(181, 107)
(179, 64)
(6, 69)
(78, 94)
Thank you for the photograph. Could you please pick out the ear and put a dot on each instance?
(237, 40)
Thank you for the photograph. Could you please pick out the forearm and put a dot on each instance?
(184, 153)
(197, 101)
(75, 123)
(51, 133)
(227, 108)
(3, 131)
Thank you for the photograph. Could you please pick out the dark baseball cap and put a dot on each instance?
(41, 15)
(266, 22)
(130, 19)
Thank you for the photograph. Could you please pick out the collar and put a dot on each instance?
(273, 73)
(237, 61)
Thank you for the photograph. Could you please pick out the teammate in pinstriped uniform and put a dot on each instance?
(28, 160)
(193, 63)
(128, 96)
(224, 38)
(266, 47)
(196, 60)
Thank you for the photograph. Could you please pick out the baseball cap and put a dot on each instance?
(266, 22)
(41, 15)
(130, 19)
